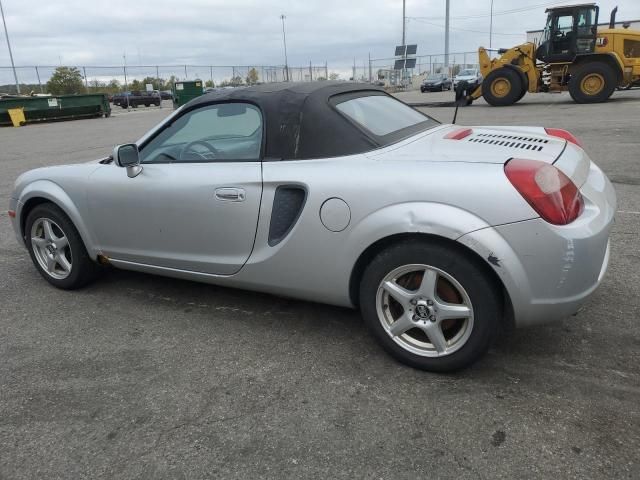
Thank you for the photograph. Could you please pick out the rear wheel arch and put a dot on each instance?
(384, 243)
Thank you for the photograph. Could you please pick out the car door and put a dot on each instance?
(195, 204)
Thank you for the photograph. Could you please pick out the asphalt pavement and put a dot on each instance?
(139, 376)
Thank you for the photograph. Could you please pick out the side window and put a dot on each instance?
(631, 48)
(214, 133)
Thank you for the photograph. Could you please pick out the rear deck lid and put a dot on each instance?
(478, 145)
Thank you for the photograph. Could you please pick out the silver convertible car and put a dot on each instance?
(339, 193)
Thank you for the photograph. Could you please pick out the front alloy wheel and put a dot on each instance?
(56, 248)
(51, 248)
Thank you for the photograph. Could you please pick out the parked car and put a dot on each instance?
(166, 95)
(136, 98)
(436, 82)
(339, 193)
(470, 75)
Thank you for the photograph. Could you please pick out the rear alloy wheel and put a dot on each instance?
(56, 248)
(502, 87)
(592, 83)
(430, 306)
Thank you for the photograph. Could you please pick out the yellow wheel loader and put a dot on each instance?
(573, 55)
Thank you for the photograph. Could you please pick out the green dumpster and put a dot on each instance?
(186, 91)
(60, 107)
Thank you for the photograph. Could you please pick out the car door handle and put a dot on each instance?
(230, 194)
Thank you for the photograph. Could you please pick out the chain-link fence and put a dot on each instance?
(120, 77)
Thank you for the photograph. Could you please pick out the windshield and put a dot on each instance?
(467, 73)
(435, 76)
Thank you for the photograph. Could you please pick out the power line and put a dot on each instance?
(502, 12)
(463, 29)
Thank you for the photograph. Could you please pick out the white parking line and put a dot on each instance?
(629, 212)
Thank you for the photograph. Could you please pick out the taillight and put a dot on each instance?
(568, 136)
(549, 191)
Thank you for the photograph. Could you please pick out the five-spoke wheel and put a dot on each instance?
(433, 306)
(51, 248)
(56, 248)
(425, 310)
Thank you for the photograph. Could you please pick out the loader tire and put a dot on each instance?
(593, 82)
(502, 87)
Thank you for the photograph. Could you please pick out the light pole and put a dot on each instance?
(446, 37)
(284, 41)
(6, 34)
(491, 25)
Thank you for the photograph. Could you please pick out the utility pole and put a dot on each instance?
(124, 68)
(6, 34)
(284, 41)
(446, 38)
(404, 20)
(370, 78)
(491, 25)
(39, 82)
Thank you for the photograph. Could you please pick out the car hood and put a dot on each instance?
(482, 145)
(466, 77)
(429, 82)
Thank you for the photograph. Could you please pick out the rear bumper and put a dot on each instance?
(549, 271)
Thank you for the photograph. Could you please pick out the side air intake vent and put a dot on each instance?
(287, 206)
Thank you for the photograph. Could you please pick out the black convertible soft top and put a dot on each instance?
(299, 119)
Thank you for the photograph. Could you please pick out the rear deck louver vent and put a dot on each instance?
(511, 141)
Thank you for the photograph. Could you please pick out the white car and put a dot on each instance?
(470, 75)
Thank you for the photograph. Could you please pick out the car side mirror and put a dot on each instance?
(127, 156)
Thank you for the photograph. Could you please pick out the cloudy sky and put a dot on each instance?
(248, 32)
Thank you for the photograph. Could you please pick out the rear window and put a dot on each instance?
(382, 115)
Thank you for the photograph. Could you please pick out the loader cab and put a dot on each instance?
(569, 32)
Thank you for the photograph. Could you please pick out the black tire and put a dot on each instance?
(525, 89)
(147, 104)
(467, 270)
(502, 76)
(599, 70)
(83, 269)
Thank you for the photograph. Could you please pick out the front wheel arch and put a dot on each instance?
(38, 199)
(374, 249)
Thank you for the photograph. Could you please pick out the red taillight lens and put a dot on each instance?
(568, 136)
(549, 191)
